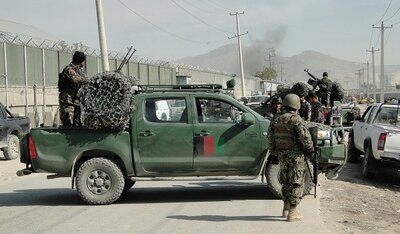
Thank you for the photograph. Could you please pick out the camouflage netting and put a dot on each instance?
(300, 89)
(283, 89)
(337, 93)
(107, 101)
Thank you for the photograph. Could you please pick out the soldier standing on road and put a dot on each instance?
(316, 109)
(288, 139)
(69, 82)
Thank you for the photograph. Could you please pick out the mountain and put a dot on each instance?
(225, 58)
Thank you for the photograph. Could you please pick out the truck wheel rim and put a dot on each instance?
(13, 147)
(99, 182)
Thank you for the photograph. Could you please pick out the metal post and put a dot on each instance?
(44, 85)
(240, 49)
(367, 79)
(26, 81)
(102, 35)
(5, 72)
(382, 80)
(240, 55)
(382, 98)
(373, 71)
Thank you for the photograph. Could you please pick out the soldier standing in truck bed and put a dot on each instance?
(69, 82)
(325, 88)
(288, 139)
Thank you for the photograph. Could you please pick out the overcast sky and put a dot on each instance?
(172, 29)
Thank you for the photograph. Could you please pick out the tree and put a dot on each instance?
(267, 74)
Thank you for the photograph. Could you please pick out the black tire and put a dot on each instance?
(12, 150)
(352, 152)
(99, 181)
(128, 184)
(368, 163)
(275, 186)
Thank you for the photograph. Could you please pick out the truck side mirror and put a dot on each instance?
(247, 119)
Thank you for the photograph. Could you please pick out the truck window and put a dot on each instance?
(166, 110)
(387, 115)
(366, 114)
(215, 111)
(372, 114)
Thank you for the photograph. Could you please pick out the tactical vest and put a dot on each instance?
(303, 111)
(286, 137)
(67, 85)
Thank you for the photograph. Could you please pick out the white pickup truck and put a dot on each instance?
(377, 136)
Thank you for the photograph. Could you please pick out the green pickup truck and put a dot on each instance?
(212, 137)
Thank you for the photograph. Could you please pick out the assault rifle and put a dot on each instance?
(313, 81)
(126, 58)
(314, 159)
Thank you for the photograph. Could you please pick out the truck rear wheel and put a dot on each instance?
(12, 149)
(353, 152)
(275, 186)
(99, 181)
(368, 163)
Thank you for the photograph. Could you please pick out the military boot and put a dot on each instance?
(294, 214)
(286, 208)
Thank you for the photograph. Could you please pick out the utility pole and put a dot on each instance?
(373, 70)
(363, 81)
(382, 80)
(281, 72)
(367, 79)
(238, 35)
(358, 73)
(102, 36)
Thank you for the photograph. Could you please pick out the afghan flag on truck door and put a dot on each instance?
(209, 146)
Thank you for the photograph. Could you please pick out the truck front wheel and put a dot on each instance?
(99, 181)
(12, 149)
(275, 186)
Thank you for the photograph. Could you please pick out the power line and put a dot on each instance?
(388, 36)
(215, 6)
(370, 42)
(377, 40)
(201, 9)
(202, 21)
(385, 12)
(221, 6)
(160, 28)
(393, 14)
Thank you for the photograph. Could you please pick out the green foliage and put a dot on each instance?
(267, 74)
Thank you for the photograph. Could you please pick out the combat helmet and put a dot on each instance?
(292, 100)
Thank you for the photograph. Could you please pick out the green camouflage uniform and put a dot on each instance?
(317, 112)
(288, 138)
(305, 110)
(69, 82)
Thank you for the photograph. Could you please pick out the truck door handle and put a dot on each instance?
(203, 133)
(146, 133)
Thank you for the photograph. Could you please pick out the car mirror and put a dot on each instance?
(247, 119)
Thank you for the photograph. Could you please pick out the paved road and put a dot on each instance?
(32, 204)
